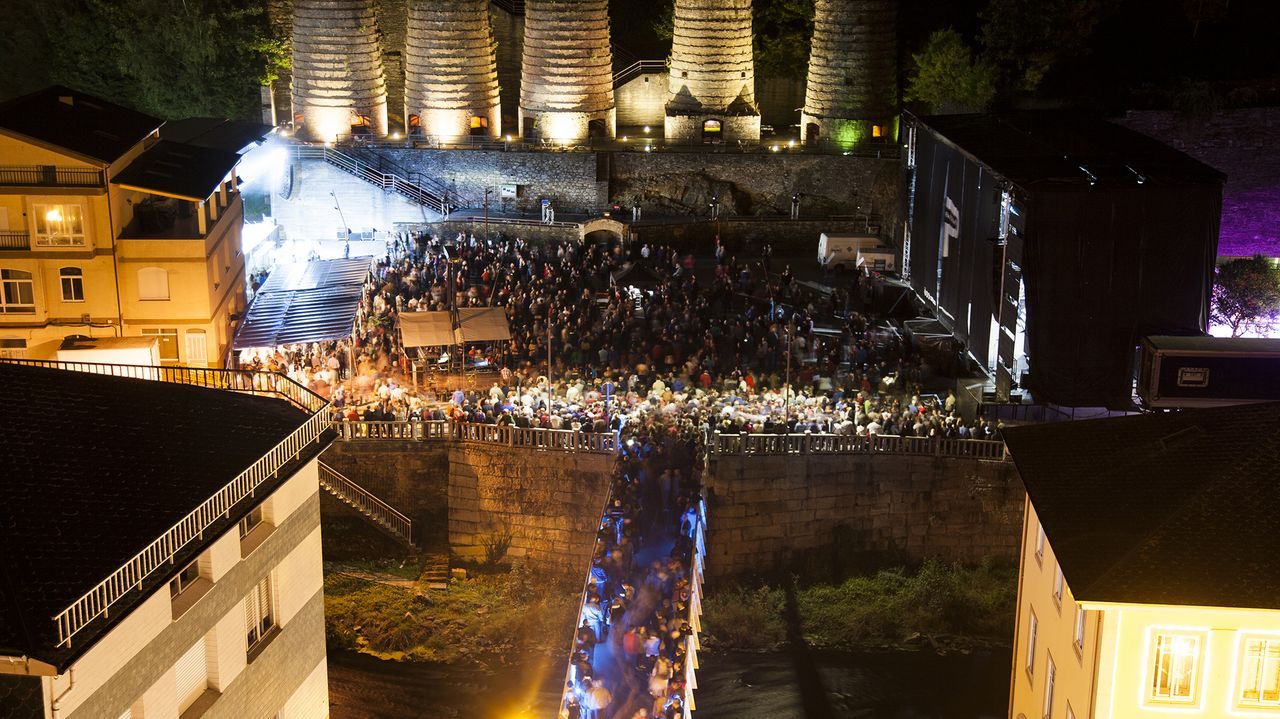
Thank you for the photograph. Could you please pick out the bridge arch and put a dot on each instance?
(595, 228)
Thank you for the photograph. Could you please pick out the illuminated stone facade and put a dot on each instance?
(566, 86)
(711, 95)
(852, 87)
(338, 81)
(451, 81)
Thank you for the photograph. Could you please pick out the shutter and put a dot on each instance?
(192, 675)
(197, 348)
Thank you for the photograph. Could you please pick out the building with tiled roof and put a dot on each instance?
(1150, 556)
(161, 544)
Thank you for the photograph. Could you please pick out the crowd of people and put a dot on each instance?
(629, 654)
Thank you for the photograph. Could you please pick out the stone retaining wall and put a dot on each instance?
(410, 476)
(765, 510)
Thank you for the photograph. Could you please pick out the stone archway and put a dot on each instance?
(605, 224)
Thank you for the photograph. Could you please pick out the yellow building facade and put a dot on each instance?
(1134, 661)
(108, 230)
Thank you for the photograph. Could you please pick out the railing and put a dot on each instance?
(15, 240)
(97, 601)
(695, 606)
(364, 501)
(582, 600)
(728, 444)
(417, 430)
(50, 176)
(537, 437)
(637, 69)
(515, 7)
(233, 380)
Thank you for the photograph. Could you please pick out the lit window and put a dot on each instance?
(185, 578)
(1260, 673)
(1174, 675)
(1040, 543)
(153, 283)
(72, 279)
(1057, 585)
(59, 225)
(877, 130)
(1031, 644)
(1079, 628)
(1048, 688)
(17, 293)
(259, 617)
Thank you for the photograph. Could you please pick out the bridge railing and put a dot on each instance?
(697, 560)
(565, 440)
(807, 443)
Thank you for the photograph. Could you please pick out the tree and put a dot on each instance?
(1025, 39)
(171, 58)
(1246, 295)
(948, 78)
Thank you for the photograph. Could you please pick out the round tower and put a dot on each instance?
(712, 82)
(852, 92)
(338, 85)
(451, 71)
(566, 79)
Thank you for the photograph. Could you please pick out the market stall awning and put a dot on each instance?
(305, 302)
(482, 324)
(426, 329)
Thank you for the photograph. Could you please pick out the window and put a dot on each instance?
(72, 279)
(1048, 688)
(1174, 675)
(17, 293)
(1031, 644)
(1080, 629)
(59, 225)
(259, 618)
(192, 675)
(1260, 673)
(13, 348)
(168, 337)
(250, 522)
(197, 347)
(1057, 585)
(153, 283)
(185, 578)
(877, 130)
(1039, 543)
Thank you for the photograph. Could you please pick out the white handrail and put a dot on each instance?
(365, 501)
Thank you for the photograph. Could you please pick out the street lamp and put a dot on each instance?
(487, 191)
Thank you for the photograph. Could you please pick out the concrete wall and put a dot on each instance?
(642, 101)
(309, 212)
(550, 502)
(410, 476)
(765, 509)
(568, 179)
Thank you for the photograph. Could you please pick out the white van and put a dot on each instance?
(841, 252)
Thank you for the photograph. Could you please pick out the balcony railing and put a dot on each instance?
(15, 240)
(567, 440)
(741, 444)
(98, 601)
(50, 176)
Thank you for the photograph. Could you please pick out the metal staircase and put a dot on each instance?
(380, 172)
(379, 512)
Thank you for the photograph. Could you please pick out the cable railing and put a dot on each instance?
(97, 602)
(807, 443)
(636, 69)
(365, 502)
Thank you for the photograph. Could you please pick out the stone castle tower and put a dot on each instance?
(712, 85)
(852, 91)
(451, 70)
(338, 83)
(566, 78)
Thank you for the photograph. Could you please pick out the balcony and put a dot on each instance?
(157, 218)
(49, 176)
(15, 240)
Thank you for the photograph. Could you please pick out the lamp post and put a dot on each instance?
(487, 191)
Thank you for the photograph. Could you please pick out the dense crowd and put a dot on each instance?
(629, 654)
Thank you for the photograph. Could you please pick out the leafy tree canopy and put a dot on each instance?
(1246, 295)
(782, 30)
(170, 58)
(948, 78)
(1026, 39)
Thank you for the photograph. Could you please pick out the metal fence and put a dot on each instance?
(787, 444)
(50, 176)
(568, 440)
(365, 502)
(15, 240)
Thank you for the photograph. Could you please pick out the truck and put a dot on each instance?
(1203, 371)
(847, 252)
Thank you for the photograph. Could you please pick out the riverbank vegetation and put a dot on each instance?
(485, 618)
(935, 604)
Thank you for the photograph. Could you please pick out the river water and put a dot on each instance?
(731, 685)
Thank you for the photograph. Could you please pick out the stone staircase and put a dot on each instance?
(380, 172)
(381, 514)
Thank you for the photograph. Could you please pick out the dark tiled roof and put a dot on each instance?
(78, 122)
(1033, 148)
(21, 697)
(1178, 508)
(175, 169)
(215, 133)
(95, 469)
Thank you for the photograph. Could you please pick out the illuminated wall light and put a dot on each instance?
(774, 148)
(646, 129)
